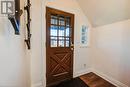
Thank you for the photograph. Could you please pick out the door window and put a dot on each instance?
(60, 29)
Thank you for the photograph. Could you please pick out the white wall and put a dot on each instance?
(111, 47)
(38, 58)
(37, 43)
(14, 66)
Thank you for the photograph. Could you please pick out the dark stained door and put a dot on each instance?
(59, 42)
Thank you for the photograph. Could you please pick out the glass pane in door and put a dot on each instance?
(61, 41)
(67, 42)
(62, 21)
(68, 21)
(53, 41)
(54, 19)
(53, 30)
(61, 31)
(68, 32)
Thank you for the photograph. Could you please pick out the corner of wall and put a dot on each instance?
(82, 72)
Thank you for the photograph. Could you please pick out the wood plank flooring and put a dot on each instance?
(92, 80)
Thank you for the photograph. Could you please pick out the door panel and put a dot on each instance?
(59, 42)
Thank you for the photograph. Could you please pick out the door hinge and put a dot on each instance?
(45, 44)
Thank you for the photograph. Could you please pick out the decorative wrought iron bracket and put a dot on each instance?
(27, 40)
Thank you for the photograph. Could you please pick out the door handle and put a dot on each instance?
(72, 46)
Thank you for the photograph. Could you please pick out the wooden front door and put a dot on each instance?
(59, 42)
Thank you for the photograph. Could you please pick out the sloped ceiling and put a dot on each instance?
(102, 12)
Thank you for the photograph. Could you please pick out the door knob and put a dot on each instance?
(72, 45)
(72, 49)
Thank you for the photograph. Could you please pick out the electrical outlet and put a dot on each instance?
(84, 65)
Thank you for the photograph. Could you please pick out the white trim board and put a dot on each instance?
(37, 85)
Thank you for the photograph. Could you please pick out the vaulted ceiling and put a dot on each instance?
(102, 12)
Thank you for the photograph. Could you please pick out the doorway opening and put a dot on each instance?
(59, 46)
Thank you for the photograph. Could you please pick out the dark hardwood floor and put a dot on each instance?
(92, 80)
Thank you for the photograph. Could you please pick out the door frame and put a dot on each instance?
(47, 33)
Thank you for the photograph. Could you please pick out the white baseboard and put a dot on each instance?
(82, 72)
(102, 75)
(37, 85)
(108, 78)
(9, 86)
